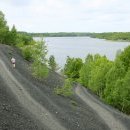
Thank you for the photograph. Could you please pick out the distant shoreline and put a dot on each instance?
(112, 36)
(119, 40)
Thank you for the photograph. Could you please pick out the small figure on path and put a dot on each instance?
(13, 62)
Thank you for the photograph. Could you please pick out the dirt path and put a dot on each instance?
(96, 105)
(37, 110)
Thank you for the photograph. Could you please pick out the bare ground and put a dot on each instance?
(103, 110)
(27, 103)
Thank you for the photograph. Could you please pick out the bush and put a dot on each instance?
(52, 63)
(65, 90)
(36, 52)
(39, 70)
(27, 53)
(72, 67)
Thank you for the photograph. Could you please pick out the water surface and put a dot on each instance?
(61, 47)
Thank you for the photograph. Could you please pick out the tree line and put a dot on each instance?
(110, 80)
(125, 36)
(60, 34)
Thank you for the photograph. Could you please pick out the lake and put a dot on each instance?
(61, 47)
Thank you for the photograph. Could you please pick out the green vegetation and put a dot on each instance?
(65, 90)
(109, 80)
(93, 71)
(72, 67)
(36, 52)
(39, 69)
(74, 103)
(60, 34)
(31, 50)
(4, 29)
(27, 54)
(52, 63)
(11, 36)
(125, 36)
(39, 66)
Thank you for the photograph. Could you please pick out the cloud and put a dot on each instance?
(67, 15)
(14, 3)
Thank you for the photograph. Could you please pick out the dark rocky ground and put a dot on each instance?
(13, 116)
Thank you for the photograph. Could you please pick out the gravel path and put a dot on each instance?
(27, 101)
(96, 105)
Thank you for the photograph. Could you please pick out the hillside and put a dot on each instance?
(27, 103)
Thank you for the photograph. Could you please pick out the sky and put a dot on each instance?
(67, 15)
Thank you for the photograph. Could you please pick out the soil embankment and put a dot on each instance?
(27, 103)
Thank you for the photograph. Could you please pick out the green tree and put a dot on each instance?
(86, 70)
(97, 81)
(12, 37)
(115, 78)
(72, 67)
(4, 29)
(116, 72)
(52, 63)
(124, 57)
(39, 66)
(39, 51)
(125, 93)
(121, 94)
(24, 38)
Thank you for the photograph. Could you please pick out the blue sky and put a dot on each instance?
(68, 15)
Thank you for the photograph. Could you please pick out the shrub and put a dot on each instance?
(72, 67)
(27, 53)
(65, 90)
(52, 63)
(39, 69)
